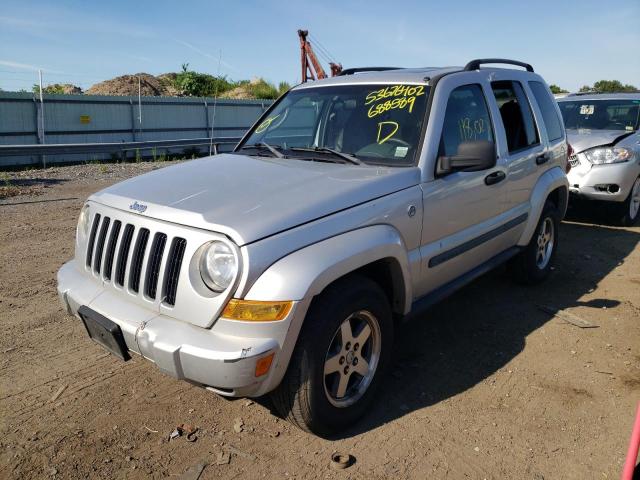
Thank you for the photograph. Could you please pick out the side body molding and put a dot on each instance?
(308, 271)
(549, 181)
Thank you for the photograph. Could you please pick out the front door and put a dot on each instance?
(462, 210)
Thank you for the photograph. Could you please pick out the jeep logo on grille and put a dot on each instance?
(137, 207)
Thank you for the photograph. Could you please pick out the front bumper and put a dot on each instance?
(222, 357)
(594, 181)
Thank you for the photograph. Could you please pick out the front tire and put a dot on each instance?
(629, 210)
(341, 355)
(533, 264)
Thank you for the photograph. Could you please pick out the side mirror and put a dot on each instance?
(472, 156)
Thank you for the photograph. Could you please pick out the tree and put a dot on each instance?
(556, 89)
(57, 89)
(609, 86)
(196, 84)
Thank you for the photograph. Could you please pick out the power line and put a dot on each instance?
(322, 47)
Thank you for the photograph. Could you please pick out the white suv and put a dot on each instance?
(603, 131)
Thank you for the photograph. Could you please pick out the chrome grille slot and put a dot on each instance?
(123, 254)
(111, 249)
(172, 272)
(574, 161)
(97, 258)
(137, 259)
(153, 267)
(92, 238)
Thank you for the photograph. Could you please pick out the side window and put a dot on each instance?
(547, 107)
(516, 115)
(466, 119)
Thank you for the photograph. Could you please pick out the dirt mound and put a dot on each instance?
(167, 81)
(239, 93)
(150, 86)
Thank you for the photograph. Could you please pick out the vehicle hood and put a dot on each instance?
(584, 139)
(248, 198)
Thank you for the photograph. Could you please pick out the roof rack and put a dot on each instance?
(598, 92)
(351, 71)
(475, 64)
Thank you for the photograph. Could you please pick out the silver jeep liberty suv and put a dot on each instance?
(283, 267)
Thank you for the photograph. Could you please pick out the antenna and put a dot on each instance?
(215, 102)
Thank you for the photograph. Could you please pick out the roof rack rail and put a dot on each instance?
(588, 92)
(475, 64)
(351, 71)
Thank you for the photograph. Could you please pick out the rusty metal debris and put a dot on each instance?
(340, 461)
(184, 429)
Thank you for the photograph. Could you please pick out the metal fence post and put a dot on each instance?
(133, 121)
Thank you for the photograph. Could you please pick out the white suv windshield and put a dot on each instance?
(374, 123)
(601, 114)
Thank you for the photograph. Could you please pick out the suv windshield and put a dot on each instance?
(371, 123)
(601, 114)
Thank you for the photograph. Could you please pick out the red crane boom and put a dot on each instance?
(311, 68)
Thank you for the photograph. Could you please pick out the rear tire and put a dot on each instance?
(628, 211)
(316, 394)
(533, 264)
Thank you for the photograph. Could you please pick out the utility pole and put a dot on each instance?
(42, 140)
(139, 102)
(215, 101)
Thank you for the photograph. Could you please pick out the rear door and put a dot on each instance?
(526, 149)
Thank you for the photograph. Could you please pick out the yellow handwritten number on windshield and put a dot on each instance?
(266, 124)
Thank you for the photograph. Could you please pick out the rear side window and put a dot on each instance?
(466, 119)
(547, 107)
(517, 118)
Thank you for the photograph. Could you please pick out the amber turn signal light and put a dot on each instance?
(264, 364)
(256, 311)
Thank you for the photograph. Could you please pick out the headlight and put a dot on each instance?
(83, 222)
(218, 266)
(601, 156)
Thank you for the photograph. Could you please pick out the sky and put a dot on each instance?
(83, 42)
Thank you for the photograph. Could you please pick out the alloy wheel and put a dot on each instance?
(546, 241)
(352, 359)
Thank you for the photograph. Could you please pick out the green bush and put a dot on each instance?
(196, 84)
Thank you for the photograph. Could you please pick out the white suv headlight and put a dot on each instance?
(601, 156)
(218, 266)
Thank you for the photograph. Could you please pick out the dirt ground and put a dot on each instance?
(488, 384)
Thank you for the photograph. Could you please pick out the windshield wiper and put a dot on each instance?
(260, 145)
(345, 156)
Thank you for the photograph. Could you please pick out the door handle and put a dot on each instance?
(495, 177)
(540, 159)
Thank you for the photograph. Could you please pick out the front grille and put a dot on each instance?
(172, 273)
(120, 254)
(111, 249)
(123, 256)
(97, 258)
(574, 161)
(92, 238)
(153, 267)
(137, 259)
